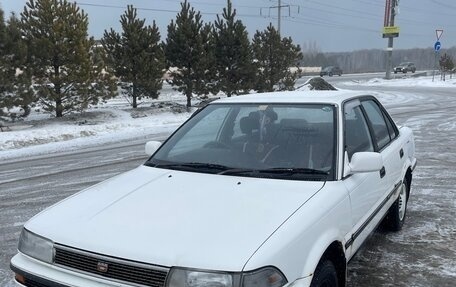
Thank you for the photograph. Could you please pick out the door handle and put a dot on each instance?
(382, 172)
(401, 153)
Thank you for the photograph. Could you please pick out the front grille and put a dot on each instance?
(122, 270)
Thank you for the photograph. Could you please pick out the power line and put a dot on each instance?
(308, 20)
(315, 22)
(443, 4)
(213, 4)
(156, 9)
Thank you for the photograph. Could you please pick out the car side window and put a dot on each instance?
(375, 116)
(391, 127)
(357, 136)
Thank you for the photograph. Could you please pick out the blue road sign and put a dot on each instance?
(437, 46)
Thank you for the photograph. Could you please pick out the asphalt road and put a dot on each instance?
(423, 254)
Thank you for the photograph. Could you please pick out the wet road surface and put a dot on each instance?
(422, 254)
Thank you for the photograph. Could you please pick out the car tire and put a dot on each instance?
(395, 217)
(395, 72)
(325, 275)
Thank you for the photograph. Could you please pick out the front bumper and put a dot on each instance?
(40, 274)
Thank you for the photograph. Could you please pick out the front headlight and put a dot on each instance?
(179, 277)
(36, 246)
(264, 277)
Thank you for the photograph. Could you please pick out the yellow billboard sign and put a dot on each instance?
(391, 31)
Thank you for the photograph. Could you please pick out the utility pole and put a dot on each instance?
(279, 14)
(390, 13)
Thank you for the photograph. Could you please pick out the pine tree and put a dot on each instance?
(274, 56)
(446, 64)
(15, 89)
(233, 53)
(5, 74)
(187, 46)
(60, 54)
(136, 56)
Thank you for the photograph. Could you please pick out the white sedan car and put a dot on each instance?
(270, 190)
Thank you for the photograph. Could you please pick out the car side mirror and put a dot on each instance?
(364, 162)
(152, 147)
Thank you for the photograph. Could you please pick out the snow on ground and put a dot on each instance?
(404, 81)
(116, 121)
(110, 122)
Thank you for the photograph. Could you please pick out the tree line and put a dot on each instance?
(374, 60)
(47, 58)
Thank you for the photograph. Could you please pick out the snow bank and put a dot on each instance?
(406, 82)
(95, 127)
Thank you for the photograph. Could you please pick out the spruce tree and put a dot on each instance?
(187, 46)
(136, 56)
(274, 56)
(66, 77)
(5, 75)
(233, 52)
(15, 79)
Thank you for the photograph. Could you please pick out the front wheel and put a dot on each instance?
(395, 218)
(325, 275)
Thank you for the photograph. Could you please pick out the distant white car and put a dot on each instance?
(277, 189)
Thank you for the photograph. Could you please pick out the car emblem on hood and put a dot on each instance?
(102, 267)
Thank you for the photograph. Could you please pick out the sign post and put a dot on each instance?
(437, 47)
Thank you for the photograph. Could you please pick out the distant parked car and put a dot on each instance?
(330, 71)
(405, 67)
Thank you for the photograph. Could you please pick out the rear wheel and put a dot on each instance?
(395, 218)
(325, 275)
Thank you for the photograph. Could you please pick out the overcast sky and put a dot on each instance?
(334, 25)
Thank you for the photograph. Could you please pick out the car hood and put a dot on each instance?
(175, 218)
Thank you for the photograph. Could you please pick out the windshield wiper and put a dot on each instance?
(276, 170)
(289, 170)
(191, 166)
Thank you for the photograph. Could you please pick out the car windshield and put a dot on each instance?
(403, 64)
(292, 141)
(327, 69)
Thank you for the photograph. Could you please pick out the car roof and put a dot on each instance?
(320, 97)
